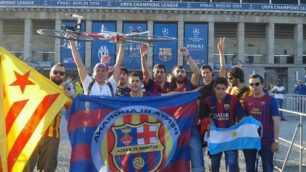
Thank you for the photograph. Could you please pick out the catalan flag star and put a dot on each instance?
(22, 80)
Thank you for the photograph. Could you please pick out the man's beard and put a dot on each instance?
(57, 82)
(180, 81)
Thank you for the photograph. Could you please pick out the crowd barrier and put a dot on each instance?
(295, 102)
(294, 105)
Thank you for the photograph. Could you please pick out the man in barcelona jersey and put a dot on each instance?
(263, 107)
(223, 110)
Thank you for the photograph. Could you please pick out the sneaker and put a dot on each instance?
(283, 119)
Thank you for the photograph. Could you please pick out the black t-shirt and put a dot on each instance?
(206, 91)
(123, 91)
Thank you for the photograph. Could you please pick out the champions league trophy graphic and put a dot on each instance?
(103, 51)
(133, 49)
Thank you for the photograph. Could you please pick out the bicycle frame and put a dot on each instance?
(75, 34)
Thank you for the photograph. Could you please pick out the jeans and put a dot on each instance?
(230, 158)
(267, 159)
(280, 105)
(250, 159)
(196, 153)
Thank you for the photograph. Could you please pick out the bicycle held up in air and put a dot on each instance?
(75, 34)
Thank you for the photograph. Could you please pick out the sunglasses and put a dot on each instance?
(230, 78)
(55, 72)
(256, 84)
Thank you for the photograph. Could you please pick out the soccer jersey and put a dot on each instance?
(224, 114)
(154, 88)
(53, 130)
(263, 108)
(187, 86)
(235, 91)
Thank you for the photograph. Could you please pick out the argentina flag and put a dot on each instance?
(243, 135)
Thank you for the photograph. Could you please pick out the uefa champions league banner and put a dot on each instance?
(66, 55)
(281, 5)
(165, 53)
(196, 41)
(103, 47)
(131, 134)
(132, 55)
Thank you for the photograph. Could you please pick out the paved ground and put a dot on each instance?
(287, 130)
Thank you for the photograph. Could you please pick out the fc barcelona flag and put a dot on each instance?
(131, 134)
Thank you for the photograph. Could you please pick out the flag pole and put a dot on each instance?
(3, 159)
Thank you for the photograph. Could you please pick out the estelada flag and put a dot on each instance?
(28, 103)
(131, 134)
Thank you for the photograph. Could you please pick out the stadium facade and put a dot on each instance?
(266, 37)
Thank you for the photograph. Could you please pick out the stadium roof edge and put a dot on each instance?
(156, 5)
(169, 10)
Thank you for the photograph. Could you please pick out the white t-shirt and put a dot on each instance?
(279, 95)
(99, 90)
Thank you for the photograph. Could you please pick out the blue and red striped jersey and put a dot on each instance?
(263, 109)
(225, 113)
(155, 89)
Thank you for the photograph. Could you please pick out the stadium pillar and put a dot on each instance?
(270, 42)
(28, 36)
(150, 50)
(241, 40)
(57, 42)
(180, 40)
(88, 45)
(211, 42)
(298, 41)
(1, 31)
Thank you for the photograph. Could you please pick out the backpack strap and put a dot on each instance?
(242, 91)
(110, 87)
(90, 86)
(92, 83)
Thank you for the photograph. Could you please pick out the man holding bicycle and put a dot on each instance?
(99, 84)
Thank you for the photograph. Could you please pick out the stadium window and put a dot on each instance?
(285, 2)
(255, 1)
(304, 59)
(195, 0)
(290, 59)
(303, 2)
(276, 59)
(227, 1)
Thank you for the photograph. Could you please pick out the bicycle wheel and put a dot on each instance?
(68, 35)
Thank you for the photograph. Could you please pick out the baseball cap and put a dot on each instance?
(206, 66)
(123, 69)
(101, 65)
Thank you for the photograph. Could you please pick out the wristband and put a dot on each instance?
(276, 141)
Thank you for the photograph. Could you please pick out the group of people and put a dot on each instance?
(224, 101)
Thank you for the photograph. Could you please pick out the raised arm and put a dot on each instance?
(119, 59)
(221, 57)
(195, 77)
(144, 66)
(77, 59)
